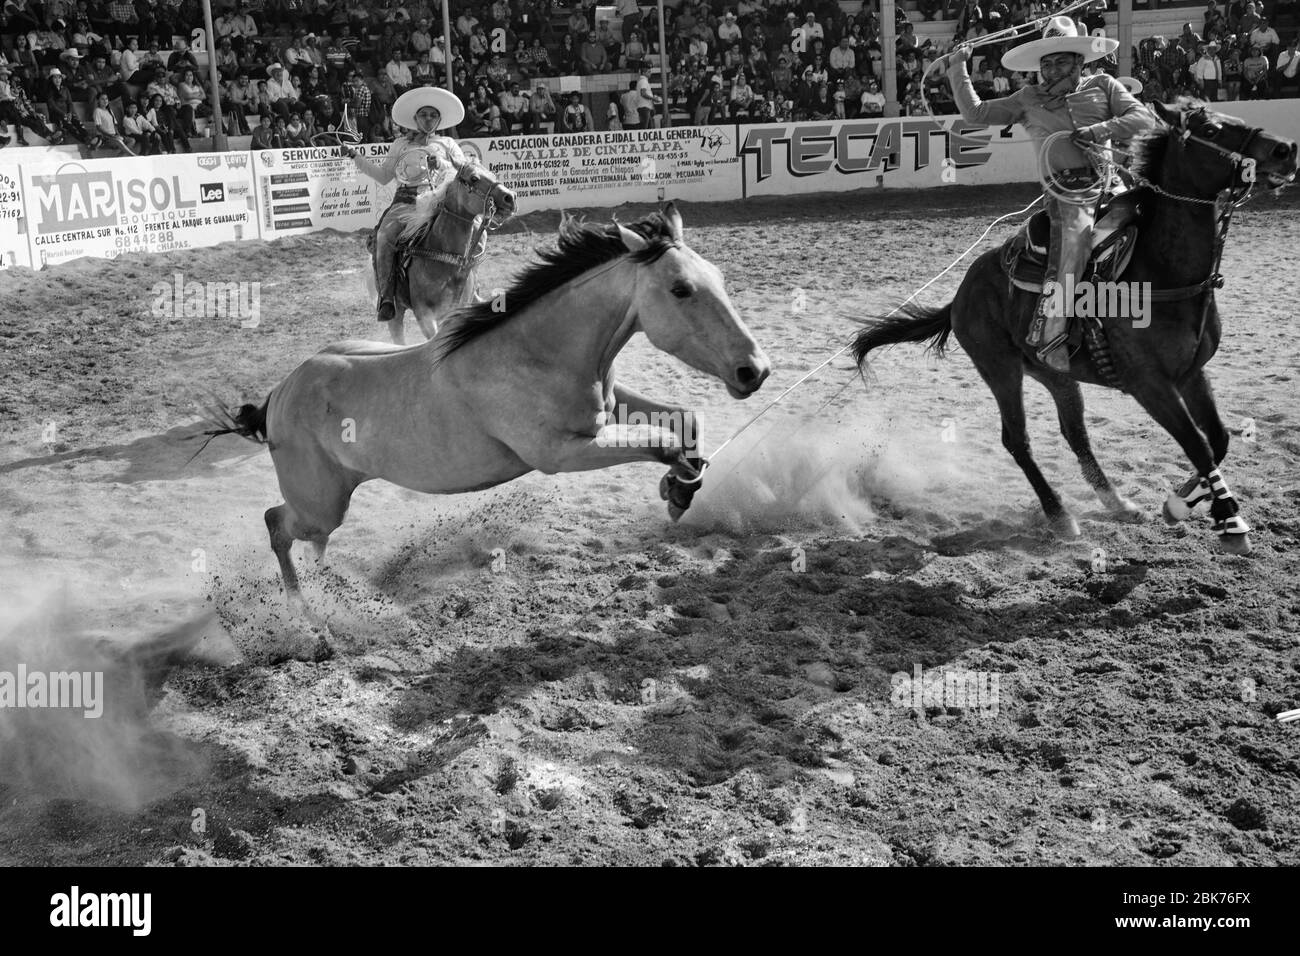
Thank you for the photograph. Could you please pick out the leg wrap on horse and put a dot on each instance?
(1181, 504)
(1224, 507)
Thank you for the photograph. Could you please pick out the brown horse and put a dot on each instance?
(1159, 360)
(446, 237)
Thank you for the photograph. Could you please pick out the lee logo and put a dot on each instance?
(212, 192)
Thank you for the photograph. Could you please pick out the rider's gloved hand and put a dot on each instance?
(348, 151)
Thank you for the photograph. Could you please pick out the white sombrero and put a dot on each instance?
(412, 101)
(1131, 83)
(1059, 36)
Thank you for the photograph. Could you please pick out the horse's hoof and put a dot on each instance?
(1234, 543)
(1175, 510)
(324, 650)
(1064, 526)
(664, 487)
(675, 513)
(1125, 510)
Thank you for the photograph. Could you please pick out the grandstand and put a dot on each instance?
(597, 89)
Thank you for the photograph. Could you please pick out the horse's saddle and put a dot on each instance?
(1024, 255)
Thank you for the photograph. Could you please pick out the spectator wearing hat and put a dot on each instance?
(809, 31)
(1207, 72)
(1254, 75)
(541, 107)
(280, 91)
(58, 105)
(1249, 20)
(728, 30)
(180, 57)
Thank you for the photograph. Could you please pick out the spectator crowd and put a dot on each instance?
(290, 69)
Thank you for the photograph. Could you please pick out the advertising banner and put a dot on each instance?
(303, 190)
(911, 152)
(614, 167)
(108, 207)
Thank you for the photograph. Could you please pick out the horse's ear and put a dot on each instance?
(1171, 115)
(674, 220)
(632, 241)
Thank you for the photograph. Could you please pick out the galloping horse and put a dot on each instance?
(1161, 363)
(445, 239)
(500, 393)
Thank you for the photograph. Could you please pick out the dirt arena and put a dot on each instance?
(552, 673)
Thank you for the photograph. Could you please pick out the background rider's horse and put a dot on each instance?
(1191, 175)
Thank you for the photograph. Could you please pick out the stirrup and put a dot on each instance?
(1061, 342)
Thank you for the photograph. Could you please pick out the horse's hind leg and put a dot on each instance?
(999, 363)
(1069, 412)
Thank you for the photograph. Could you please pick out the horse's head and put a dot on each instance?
(681, 304)
(480, 193)
(1218, 152)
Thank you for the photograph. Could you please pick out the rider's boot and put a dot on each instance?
(1069, 248)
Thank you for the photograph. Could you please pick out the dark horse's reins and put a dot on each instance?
(486, 222)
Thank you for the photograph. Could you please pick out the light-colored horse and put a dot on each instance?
(445, 255)
(501, 393)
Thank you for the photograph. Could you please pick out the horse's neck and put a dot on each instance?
(581, 327)
(1180, 238)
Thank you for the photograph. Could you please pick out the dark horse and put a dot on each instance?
(1161, 364)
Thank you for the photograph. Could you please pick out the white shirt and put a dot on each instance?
(1207, 68)
(399, 73)
(129, 63)
(1288, 63)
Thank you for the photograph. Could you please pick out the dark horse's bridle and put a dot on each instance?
(470, 175)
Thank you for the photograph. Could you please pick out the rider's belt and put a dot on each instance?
(1075, 176)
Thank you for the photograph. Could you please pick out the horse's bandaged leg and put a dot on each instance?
(1224, 507)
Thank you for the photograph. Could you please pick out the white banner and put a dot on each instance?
(911, 152)
(619, 166)
(303, 190)
(14, 250)
(107, 207)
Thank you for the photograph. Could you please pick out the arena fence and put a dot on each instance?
(56, 207)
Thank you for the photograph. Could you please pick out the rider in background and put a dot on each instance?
(1096, 109)
(422, 111)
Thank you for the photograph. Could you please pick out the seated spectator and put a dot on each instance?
(282, 95)
(425, 73)
(728, 29)
(235, 104)
(514, 109)
(58, 105)
(309, 129)
(46, 44)
(742, 96)
(1265, 37)
(478, 110)
(122, 23)
(497, 73)
(17, 109)
(421, 40)
(542, 107)
(593, 58)
(872, 101)
(168, 118)
(579, 25)
(98, 78)
(613, 46)
(577, 118)
(107, 127)
(634, 54)
(399, 73)
(843, 59)
(228, 64)
(139, 133)
(539, 59)
(263, 134)
(192, 97)
(570, 56)
(181, 57)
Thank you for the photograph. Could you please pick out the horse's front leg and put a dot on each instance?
(678, 487)
(612, 445)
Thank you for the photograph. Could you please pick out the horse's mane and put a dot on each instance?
(1149, 147)
(581, 246)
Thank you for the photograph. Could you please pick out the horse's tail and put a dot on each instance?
(915, 323)
(248, 421)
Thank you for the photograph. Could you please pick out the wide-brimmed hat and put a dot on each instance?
(412, 101)
(1131, 83)
(1059, 36)
(54, 72)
